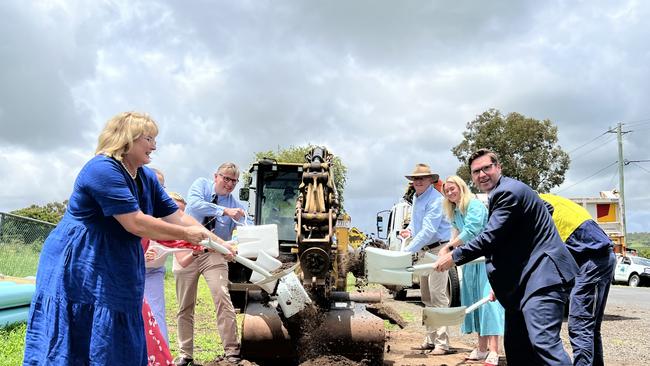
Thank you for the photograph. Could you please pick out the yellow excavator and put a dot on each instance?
(301, 199)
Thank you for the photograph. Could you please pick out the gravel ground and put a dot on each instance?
(624, 330)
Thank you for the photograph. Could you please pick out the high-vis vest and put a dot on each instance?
(567, 214)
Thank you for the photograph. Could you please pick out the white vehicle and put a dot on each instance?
(632, 270)
(399, 217)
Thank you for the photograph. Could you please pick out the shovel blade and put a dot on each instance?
(252, 240)
(434, 318)
(388, 267)
(270, 264)
(292, 296)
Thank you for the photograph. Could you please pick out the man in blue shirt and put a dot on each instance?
(210, 202)
(429, 229)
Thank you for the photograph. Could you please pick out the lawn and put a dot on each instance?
(207, 344)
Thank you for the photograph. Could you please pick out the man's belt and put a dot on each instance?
(434, 245)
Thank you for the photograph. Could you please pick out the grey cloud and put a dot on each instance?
(43, 57)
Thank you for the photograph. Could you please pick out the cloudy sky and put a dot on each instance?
(383, 84)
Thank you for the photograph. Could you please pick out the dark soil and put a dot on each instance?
(388, 313)
(334, 360)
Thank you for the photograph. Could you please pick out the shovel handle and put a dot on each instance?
(424, 267)
(477, 304)
(238, 258)
(241, 223)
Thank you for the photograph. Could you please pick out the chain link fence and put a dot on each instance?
(21, 240)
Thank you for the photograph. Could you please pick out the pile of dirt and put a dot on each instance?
(331, 360)
(222, 362)
(305, 329)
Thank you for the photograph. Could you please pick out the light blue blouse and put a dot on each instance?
(473, 222)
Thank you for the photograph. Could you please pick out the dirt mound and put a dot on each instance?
(330, 361)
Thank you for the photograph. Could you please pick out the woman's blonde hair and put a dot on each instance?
(465, 197)
(116, 139)
(176, 197)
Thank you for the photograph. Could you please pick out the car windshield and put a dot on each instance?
(641, 261)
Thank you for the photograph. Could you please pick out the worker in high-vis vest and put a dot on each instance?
(592, 250)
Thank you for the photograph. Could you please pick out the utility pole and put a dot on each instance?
(621, 178)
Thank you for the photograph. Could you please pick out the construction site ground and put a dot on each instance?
(624, 334)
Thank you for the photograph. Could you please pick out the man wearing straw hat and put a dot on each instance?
(429, 230)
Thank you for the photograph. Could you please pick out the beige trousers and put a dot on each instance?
(214, 269)
(434, 292)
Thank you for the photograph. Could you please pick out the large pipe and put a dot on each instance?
(368, 297)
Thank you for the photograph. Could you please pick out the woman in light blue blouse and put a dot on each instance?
(468, 216)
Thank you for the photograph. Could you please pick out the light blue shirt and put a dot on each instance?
(475, 219)
(200, 206)
(428, 224)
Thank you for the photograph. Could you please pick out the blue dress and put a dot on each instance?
(90, 281)
(488, 319)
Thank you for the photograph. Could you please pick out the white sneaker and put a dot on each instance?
(492, 359)
(477, 355)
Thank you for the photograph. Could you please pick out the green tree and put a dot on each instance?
(51, 212)
(296, 154)
(643, 252)
(527, 148)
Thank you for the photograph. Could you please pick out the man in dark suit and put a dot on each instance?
(529, 267)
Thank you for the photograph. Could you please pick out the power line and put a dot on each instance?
(588, 142)
(637, 122)
(610, 139)
(640, 167)
(584, 179)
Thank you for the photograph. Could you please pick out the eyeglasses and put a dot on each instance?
(228, 179)
(486, 169)
(419, 178)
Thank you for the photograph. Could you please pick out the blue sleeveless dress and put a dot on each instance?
(90, 281)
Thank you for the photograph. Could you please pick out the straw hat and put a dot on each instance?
(422, 170)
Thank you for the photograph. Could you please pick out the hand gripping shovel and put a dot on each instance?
(292, 296)
(438, 317)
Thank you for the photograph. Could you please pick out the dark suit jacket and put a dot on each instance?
(522, 248)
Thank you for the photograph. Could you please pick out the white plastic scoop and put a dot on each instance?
(161, 254)
(292, 296)
(390, 267)
(438, 317)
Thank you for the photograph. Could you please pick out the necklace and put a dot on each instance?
(133, 176)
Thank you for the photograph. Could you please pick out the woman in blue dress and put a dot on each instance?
(468, 216)
(90, 281)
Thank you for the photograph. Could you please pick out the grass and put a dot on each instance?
(18, 259)
(207, 343)
(12, 344)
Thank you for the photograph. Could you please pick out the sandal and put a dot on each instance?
(477, 355)
(492, 359)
